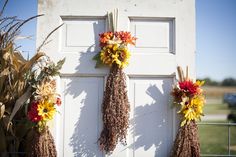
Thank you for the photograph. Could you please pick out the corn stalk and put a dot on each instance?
(15, 74)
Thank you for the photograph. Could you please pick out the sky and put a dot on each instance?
(24, 9)
(216, 38)
(215, 35)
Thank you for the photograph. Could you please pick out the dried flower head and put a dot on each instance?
(46, 90)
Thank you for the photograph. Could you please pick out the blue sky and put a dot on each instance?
(215, 31)
(24, 9)
(216, 38)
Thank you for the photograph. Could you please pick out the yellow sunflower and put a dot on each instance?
(192, 110)
(123, 59)
(46, 109)
(106, 54)
(115, 53)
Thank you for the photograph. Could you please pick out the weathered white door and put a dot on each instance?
(166, 38)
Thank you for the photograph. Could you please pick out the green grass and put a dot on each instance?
(214, 139)
(216, 109)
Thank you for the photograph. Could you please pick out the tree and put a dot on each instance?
(210, 82)
(229, 82)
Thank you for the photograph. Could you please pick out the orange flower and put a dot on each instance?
(126, 37)
(105, 37)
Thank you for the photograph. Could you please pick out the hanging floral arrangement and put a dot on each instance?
(43, 105)
(188, 96)
(115, 106)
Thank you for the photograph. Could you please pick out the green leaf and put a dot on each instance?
(19, 102)
(60, 63)
(96, 57)
(99, 63)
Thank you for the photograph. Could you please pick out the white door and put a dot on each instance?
(166, 38)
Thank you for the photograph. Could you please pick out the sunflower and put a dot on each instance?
(46, 110)
(124, 55)
(106, 54)
(115, 53)
(192, 109)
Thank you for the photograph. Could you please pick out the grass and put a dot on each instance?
(214, 139)
(214, 96)
(216, 109)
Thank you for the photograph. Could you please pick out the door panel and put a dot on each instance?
(151, 117)
(82, 121)
(156, 34)
(73, 38)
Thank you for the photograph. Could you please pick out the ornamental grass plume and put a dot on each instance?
(115, 109)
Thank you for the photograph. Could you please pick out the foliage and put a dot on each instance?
(225, 82)
(210, 82)
(229, 82)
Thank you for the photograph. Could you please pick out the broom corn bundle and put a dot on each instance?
(115, 106)
(115, 109)
(189, 96)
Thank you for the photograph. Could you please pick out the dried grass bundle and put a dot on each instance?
(188, 95)
(187, 142)
(42, 145)
(115, 109)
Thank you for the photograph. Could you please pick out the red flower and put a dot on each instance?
(33, 112)
(189, 87)
(126, 37)
(58, 101)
